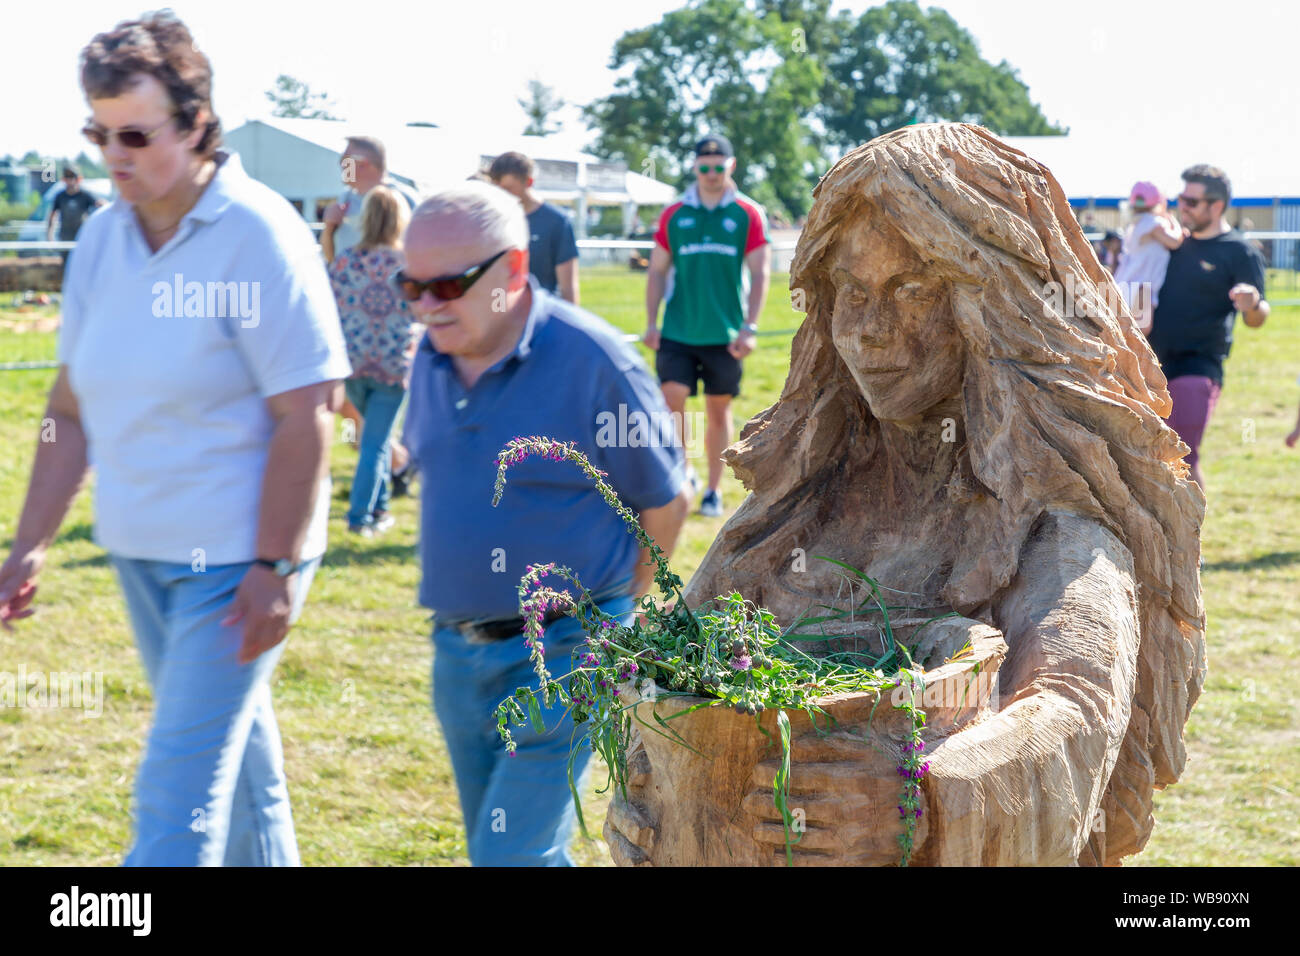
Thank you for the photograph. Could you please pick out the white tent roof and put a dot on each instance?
(434, 157)
(1261, 164)
(430, 157)
(649, 192)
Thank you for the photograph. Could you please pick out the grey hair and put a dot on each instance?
(488, 211)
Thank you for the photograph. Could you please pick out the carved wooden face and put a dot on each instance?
(892, 324)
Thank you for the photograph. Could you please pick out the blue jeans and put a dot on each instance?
(518, 810)
(378, 404)
(211, 789)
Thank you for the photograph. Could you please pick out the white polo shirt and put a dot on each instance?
(173, 354)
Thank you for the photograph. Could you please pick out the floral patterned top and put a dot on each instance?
(380, 332)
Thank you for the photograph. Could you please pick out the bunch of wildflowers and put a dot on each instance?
(912, 767)
(734, 653)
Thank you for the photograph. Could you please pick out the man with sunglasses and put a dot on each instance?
(707, 238)
(1211, 277)
(503, 359)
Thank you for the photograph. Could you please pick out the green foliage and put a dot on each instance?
(732, 654)
(792, 86)
(540, 103)
(294, 99)
(899, 64)
(90, 168)
(714, 65)
(10, 211)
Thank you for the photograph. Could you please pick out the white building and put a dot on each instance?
(299, 159)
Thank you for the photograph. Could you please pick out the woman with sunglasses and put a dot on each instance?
(199, 358)
(381, 339)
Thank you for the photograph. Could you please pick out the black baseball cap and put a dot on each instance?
(712, 145)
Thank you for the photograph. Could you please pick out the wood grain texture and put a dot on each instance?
(971, 417)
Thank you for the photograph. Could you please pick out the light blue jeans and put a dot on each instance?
(211, 789)
(378, 404)
(518, 810)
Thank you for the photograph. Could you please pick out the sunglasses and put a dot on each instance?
(706, 168)
(445, 288)
(1193, 202)
(128, 137)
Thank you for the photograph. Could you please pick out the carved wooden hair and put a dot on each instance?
(1062, 401)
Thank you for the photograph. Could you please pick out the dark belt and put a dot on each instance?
(487, 631)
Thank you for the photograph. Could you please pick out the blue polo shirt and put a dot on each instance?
(571, 378)
(551, 244)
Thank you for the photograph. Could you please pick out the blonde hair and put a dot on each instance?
(383, 219)
(1061, 398)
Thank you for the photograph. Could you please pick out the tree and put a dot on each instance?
(540, 103)
(792, 86)
(90, 168)
(899, 64)
(710, 66)
(294, 99)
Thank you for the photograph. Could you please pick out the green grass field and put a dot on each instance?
(368, 771)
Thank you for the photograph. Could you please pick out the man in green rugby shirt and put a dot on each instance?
(706, 238)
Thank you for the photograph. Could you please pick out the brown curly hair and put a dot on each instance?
(161, 46)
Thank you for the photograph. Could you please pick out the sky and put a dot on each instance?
(1117, 70)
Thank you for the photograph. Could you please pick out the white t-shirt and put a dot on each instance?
(173, 354)
(1143, 260)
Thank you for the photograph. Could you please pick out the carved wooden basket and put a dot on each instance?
(712, 803)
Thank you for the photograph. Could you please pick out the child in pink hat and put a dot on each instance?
(1147, 243)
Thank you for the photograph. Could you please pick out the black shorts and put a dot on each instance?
(688, 364)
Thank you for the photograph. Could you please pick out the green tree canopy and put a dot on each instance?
(540, 103)
(793, 86)
(899, 64)
(294, 99)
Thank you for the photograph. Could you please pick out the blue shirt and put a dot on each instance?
(551, 244)
(571, 378)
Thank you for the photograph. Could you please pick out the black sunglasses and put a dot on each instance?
(445, 288)
(128, 137)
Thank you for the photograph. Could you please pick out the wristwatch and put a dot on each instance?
(283, 567)
(750, 327)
